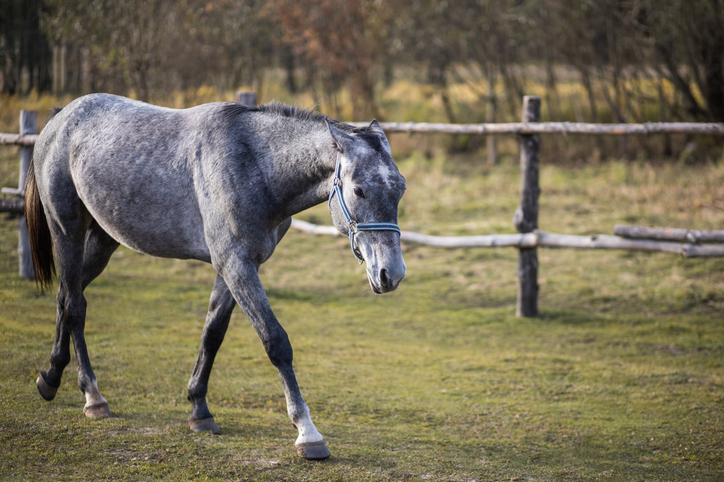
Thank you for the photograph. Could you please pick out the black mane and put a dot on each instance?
(233, 109)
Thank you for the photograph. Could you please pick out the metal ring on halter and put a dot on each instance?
(353, 226)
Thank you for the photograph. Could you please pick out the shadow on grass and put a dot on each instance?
(306, 295)
(574, 317)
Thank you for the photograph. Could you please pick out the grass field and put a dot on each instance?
(620, 378)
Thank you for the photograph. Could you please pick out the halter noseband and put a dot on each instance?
(353, 226)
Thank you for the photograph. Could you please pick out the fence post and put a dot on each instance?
(526, 216)
(246, 98)
(28, 125)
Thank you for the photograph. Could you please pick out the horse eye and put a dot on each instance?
(359, 193)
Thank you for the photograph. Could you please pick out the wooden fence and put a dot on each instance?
(15, 204)
(686, 242)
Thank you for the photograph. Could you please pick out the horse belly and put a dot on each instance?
(148, 210)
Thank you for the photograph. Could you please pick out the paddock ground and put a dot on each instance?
(620, 378)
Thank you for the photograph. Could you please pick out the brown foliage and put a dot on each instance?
(627, 54)
(335, 38)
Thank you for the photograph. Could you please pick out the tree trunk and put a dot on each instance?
(713, 49)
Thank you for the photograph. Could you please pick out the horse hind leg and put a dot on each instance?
(99, 247)
(221, 305)
(48, 381)
(97, 250)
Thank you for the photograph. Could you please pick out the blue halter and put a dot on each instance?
(352, 225)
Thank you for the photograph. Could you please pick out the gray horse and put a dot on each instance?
(217, 183)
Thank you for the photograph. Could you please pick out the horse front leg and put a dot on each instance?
(241, 275)
(221, 305)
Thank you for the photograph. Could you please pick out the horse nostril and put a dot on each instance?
(384, 279)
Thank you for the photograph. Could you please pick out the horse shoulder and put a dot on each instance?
(235, 217)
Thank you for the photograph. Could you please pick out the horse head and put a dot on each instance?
(363, 202)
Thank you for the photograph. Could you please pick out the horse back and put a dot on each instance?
(132, 167)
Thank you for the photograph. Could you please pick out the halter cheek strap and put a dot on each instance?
(353, 226)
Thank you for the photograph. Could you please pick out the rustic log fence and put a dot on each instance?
(684, 247)
(16, 204)
(688, 243)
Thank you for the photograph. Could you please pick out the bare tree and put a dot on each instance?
(687, 38)
(24, 49)
(338, 40)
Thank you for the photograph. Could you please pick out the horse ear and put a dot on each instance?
(377, 129)
(341, 139)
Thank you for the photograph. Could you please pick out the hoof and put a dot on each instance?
(97, 411)
(46, 391)
(313, 450)
(204, 425)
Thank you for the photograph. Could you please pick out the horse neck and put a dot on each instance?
(302, 166)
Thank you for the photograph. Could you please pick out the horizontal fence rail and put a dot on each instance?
(519, 128)
(12, 205)
(522, 128)
(18, 139)
(681, 241)
(669, 234)
(539, 238)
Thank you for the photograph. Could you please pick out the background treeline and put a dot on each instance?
(607, 60)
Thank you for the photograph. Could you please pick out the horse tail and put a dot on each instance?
(41, 242)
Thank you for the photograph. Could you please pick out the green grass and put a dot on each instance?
(620, 378)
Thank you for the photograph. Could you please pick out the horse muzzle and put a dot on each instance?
(386, 279)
